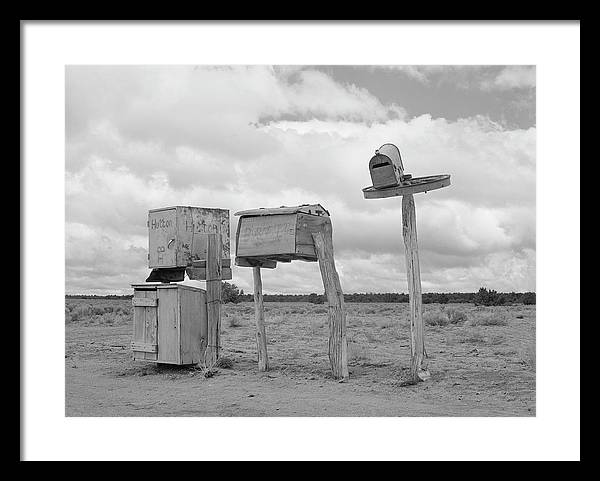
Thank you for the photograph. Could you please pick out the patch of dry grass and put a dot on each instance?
(87, 312)
(234, 321)
(488, 318)
(435, 318)
(528, 355)
(456, 316)
(357, 352)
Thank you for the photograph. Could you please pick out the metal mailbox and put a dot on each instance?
(386, 167)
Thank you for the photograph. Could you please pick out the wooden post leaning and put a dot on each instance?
(338, 343)
(213, 297)
(259, 315)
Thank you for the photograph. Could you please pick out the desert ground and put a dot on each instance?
(481, 360)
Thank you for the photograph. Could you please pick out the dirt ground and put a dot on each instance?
(481, 360)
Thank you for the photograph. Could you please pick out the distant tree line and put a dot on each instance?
(483, 297)
(94, 296)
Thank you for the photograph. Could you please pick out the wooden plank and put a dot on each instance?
(199, 273)
(338, 344)
(169, 341)
(225, 262)
(194, 224)
(213, 298)
(315, 209)
(193, 324)
(266, 235)
(152, 324)
(145, 323)
(259, 316)
(144, 346)
(143, 302)
(255, 262)
(417, 345)
(162, 238)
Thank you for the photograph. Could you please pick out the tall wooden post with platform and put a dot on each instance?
(265, 237)
(389, 180)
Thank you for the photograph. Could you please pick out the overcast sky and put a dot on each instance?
(139, 138)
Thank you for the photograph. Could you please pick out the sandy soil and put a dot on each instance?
(476, 370)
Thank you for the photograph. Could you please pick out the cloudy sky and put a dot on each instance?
(241, 137)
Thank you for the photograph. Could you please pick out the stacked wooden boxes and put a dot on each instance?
(170, 319)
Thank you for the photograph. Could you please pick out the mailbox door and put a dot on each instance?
(169, 351)
(144, 343)
(162, 229)
(383, 174)
(193, 324)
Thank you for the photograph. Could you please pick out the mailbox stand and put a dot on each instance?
(267, 236)
(406, 186)
(193, 241)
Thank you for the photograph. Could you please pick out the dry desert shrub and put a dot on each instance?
(436, 318)
(315, 325)
(527, 356)
(387, 323)
(488, 319)
(473, 337)
(456, 316)
(224, 363)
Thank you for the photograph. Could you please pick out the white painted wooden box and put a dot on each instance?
(169, 323)
(177, 236)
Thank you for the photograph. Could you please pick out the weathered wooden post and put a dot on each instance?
(213, 297)
(338, 343)
(259, 314)
(413, 276)
(389, 180)
(267, 236)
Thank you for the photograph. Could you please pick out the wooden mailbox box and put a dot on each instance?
(169, 323)
(265, 236)
(177, 241)
(386, 167)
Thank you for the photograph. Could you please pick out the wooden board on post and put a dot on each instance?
(213, 297)
(259, 314)
(338, 343)
(417, 341)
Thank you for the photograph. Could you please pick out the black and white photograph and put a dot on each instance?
(285, 241)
